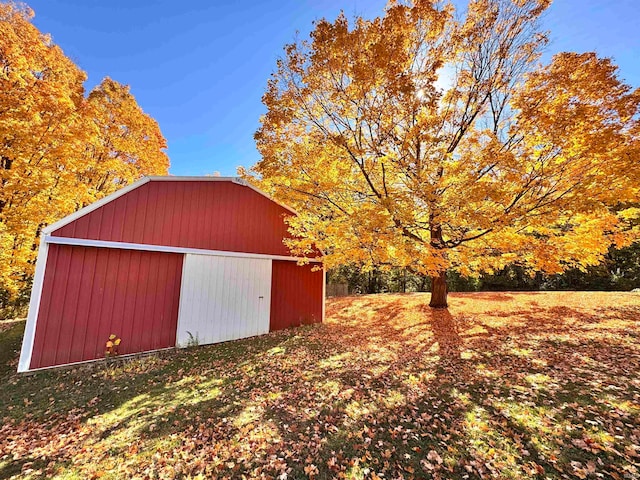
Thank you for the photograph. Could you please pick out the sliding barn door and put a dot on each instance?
(223, 298)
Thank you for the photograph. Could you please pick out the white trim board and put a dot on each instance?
(82, 242)
(34, 307)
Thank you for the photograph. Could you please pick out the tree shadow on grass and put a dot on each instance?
(445, 332)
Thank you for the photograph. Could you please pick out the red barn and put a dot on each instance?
(166, 262)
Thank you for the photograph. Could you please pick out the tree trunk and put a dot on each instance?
(5, 164)
(425, 281)
(439, 291)
(439, 282)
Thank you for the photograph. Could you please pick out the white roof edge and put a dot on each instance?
(188, 178)
(109, 198)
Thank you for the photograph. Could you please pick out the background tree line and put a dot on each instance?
(620, 271)
(61, 148)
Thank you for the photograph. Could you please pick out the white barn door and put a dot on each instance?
(223, 298)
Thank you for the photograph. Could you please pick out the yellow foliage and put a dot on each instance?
(424, 141)
(111, 347)
(59, 150)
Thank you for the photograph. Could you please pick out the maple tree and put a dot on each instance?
(438, 142)
(59, 149)
(126, 143)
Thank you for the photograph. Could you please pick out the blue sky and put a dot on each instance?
(200, 67)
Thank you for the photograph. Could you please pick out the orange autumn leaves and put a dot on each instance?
(427, 140)
(59, 149)
(111, 347)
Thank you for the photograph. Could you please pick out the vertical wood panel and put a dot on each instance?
(159, 291)
(219, 298)
(128, 215)
(171, 291)
(166, 204)
(129, 312)
(296, 295)
(71, 299)
(45, 299)
(107, 222)
(122, 276)
(81, 228)
(92, 339)
(140, 305)
(56, 306)
(96, 220)
(90, 293)
(84, 305)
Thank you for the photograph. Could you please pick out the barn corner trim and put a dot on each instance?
(28, 338)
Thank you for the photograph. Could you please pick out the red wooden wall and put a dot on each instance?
(211, 215)
(296, 295)
(90, 293)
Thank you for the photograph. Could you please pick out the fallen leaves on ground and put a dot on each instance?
(500, 385)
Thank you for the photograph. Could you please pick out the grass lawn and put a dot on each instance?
(502, 385)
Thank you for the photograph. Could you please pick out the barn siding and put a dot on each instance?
(208, 215)
(90, 293)
(296, 295)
